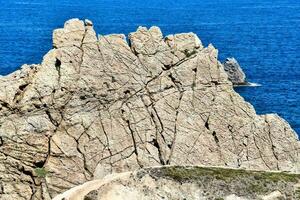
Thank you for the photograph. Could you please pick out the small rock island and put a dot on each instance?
(235, 73)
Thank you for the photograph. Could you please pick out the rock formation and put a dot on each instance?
(188, 182)
(98, 105)
(235, 72)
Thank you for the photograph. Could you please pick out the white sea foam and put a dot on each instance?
(249, 84)
(254, 84)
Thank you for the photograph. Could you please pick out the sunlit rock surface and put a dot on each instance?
(97, 105)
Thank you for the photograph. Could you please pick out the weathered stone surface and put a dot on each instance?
(188, 183)
(235, 72)
(97, 105)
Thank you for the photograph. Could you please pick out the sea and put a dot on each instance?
(263, 35)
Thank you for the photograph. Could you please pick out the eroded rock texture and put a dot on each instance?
(98, 105)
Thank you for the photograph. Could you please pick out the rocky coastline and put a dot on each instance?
(99, 105)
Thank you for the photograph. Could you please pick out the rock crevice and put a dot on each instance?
(97, 105)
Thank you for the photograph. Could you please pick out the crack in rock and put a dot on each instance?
(99, 105)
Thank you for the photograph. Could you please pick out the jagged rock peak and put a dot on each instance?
(97, 105)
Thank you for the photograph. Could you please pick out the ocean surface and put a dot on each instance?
(264, 36)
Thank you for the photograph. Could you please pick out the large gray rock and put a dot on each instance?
(234, 71)
(97, 105)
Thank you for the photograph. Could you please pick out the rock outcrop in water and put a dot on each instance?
(98, 105)
(235, 73)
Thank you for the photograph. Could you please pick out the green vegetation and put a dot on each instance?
(247, 182)
(189, 53)
(257, 188)
(41, 172)
(194, 173)
(297, 193)
(275, 177)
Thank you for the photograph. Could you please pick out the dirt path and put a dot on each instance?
(79, 192)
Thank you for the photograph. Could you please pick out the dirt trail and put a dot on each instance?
(79, 192)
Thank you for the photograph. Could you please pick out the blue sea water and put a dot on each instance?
(263, 35)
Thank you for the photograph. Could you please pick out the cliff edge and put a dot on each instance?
(102, 105)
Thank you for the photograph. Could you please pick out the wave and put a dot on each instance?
(254, 84)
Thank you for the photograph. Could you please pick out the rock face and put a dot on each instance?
(98, 105)
(188, 183)
(235, 72)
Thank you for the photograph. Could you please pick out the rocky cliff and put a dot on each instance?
(99, 105)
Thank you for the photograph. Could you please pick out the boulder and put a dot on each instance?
(234, 71)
